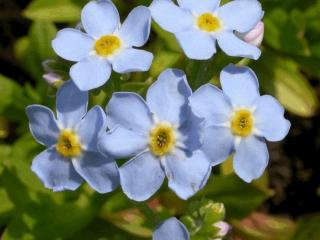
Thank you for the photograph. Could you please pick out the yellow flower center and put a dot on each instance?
(242, 123)
(162, 139)
(208, 22)
(68, 144)
(107, 45)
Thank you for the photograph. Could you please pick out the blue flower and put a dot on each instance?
(239, 120)
(161, 134)
(172, 228)
(198, 24)
(71, 142)
(105, 45)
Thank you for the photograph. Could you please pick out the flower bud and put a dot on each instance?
(53, 79)
(255, 36)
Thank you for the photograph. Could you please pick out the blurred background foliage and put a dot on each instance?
(283, 205)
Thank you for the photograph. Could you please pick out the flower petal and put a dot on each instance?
(72, 44)
(55, 172)
(122, 143)
(100, 18)
(169, 228)
(168, 96)
(210, 103)
(135, 30)
(241, 16)
(141, 176)
(71, 104)
(191, 132)
(240, 84)
(91, 126)
(90, 73)
(203, 6)
(234, 46)
(187, 174)
(132, 60)
(130, 111)
(43, 125)
(218, 144)
(99, 171)
(251, 158)
(269, 119)
(170, 17)
(197, 44)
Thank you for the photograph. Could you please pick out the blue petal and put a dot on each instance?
(218, 144)
(233, 46)
(55, 172)
(191, 132)
(71, 104)
(91, 126)
(210, 103)
(241, 16)
(168, 96)
(135, 30)
(72, 44)
(99, 171)
(132, 60)
(130, 111)
(170, 17)
(197, 44)
(90, 73)
(122, 143)
(43, 125)
(203, 6)
(251, 158)
(100, 18)
(172, 228)
(240, 84)
(141, 176)
(187, 174)
(269, 119)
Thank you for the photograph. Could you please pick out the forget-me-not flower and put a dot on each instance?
(198, 24)
(171, 229)
(238, 120)
(71, 142)
(162, 135)
(106, 45)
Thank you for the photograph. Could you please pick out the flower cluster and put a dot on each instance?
(173, 133)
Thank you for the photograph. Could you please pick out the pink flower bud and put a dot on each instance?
(255, 36)
(224, 228)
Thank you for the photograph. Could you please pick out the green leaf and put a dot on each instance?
(56, 11)
(239, 198)
(41, 35)
(11, 95)
(259, 226)
(308, 228)
(285, 32)
(281, 77)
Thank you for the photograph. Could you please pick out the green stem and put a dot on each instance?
(243, 62)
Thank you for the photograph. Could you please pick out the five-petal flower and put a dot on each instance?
(71, 139)
(172, 228)
(198, 24)
(238, 120)
(105, 45)
(162, 134)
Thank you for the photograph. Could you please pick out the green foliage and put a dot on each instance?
(286, 70)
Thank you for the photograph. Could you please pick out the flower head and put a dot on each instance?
(163, 136)
(172, 228)
(198, 24)
(71, 142)
(238, 120)
(106, 44)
